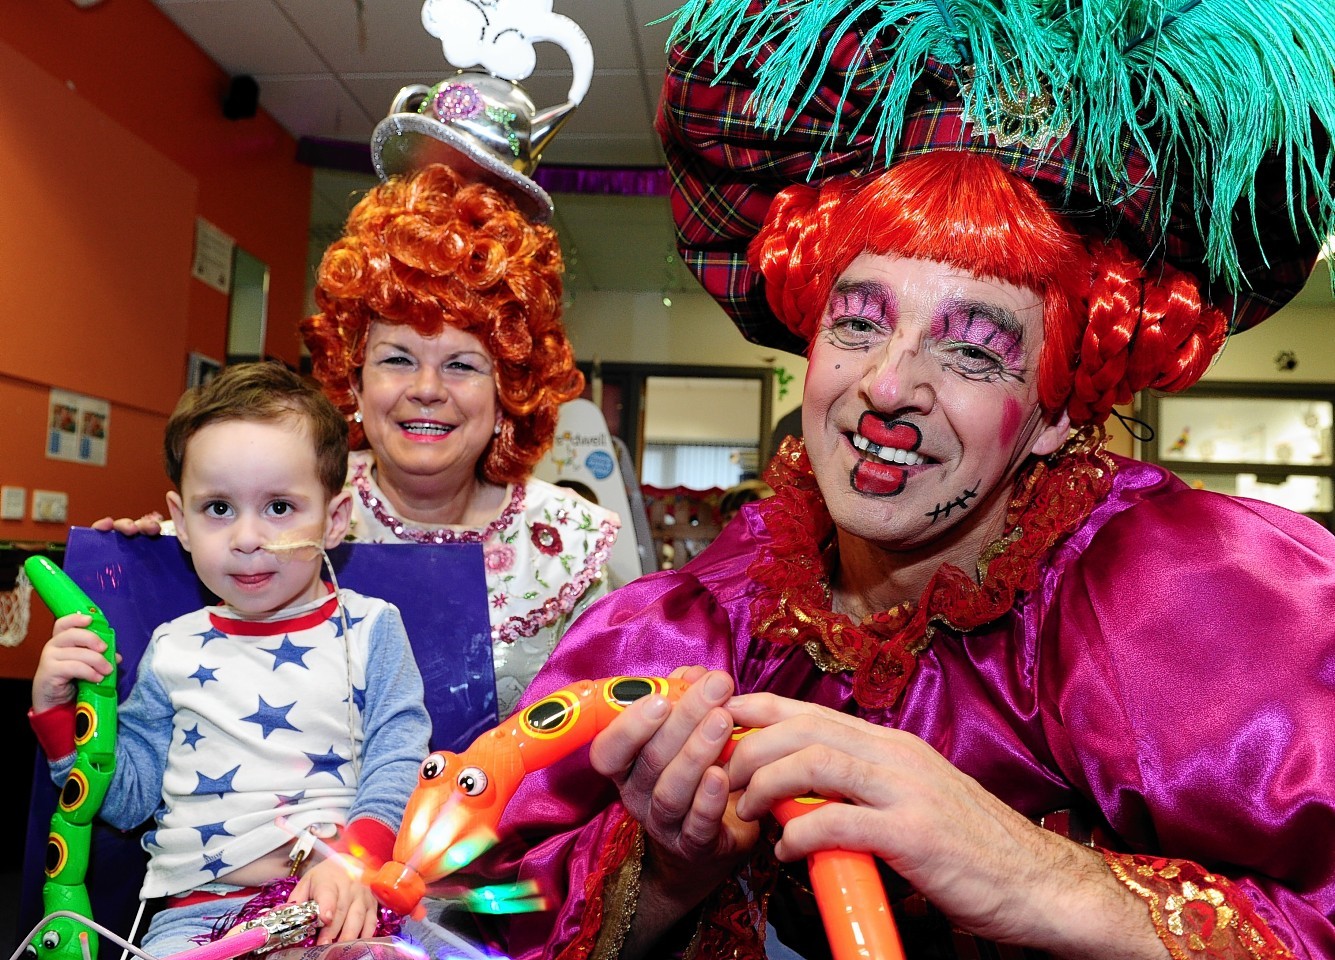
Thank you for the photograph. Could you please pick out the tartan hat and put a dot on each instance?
(1197, 131)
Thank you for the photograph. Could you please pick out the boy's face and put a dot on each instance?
(248, 489)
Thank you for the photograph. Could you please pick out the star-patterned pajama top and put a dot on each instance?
(232, 723)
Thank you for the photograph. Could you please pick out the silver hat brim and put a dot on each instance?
(403, 142)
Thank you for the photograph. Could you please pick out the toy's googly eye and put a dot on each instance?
(433, 766)
(472, 781)
(50, 940)
(30, 951)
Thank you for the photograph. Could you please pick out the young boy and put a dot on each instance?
(286, 700)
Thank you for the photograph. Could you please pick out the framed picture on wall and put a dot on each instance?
(201, 370)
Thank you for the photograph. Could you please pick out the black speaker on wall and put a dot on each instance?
(242, 98)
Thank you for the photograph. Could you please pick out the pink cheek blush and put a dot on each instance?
(1010, 420)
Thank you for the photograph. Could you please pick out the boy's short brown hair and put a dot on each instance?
(262, 392)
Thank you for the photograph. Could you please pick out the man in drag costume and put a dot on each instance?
(1076, 708)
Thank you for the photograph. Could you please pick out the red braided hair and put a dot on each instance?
(434, 248)
(1109, 329)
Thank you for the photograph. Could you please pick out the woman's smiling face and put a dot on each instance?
(429, 405)
(921, 398)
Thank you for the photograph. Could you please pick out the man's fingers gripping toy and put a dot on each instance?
(459, 799)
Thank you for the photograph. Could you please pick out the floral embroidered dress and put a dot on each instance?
(545, 556)
(1153, 662)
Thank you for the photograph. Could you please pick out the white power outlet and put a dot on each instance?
(12, 502)
(49, 506)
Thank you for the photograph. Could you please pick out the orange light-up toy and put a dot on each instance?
(459, 799)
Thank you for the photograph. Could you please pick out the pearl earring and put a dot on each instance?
(357, 417)
(496, 430)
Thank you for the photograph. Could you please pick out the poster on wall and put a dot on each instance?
(78, 428)
(584, 459)
(212, 262)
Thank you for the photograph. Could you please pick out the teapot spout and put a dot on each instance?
(547, 123)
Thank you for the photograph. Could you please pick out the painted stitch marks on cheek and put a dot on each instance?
(942, 511)
(889, 448)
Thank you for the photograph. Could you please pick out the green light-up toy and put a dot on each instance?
(67, 845)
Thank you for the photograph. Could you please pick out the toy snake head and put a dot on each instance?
(455, 810)
(59, 940)
(451, 817)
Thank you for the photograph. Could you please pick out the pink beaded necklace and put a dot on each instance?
(400, 529)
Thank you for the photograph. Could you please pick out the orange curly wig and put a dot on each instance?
(434, 248)
(1110, 329)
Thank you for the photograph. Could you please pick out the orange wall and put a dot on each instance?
(112, 142)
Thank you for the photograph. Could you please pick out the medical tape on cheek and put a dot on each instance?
(299, 550)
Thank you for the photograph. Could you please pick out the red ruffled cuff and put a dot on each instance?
(369, 841)
(1197, 914)
(54, 729)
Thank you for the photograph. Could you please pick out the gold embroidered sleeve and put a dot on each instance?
(1197, 914)
(618, 902)
(621, 895)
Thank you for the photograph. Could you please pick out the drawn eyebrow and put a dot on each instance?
(1004, 319)
(866, 288)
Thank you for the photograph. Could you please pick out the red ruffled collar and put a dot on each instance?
(1052, 497)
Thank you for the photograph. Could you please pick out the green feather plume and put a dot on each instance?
(1206, 89)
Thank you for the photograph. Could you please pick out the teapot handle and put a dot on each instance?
(410, 98)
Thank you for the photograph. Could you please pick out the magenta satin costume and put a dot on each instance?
(1174, 674)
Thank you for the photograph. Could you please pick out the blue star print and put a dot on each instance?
(208, 831)
(213, 633)
(288, 652)
(271, 718)
(216, 865)
(208, 785)
(190, 738)
(288, 799)
(358, 698)
(326, 763)
(338, 623)
(151, 838)
(204, 674)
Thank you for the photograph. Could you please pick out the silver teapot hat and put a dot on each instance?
(481, 121)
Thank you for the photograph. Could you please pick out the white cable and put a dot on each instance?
(290, 547)
(134, 927)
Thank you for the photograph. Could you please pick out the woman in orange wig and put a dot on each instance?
(439, 336)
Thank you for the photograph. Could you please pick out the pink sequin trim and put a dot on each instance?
(443, 535)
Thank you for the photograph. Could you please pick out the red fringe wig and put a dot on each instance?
(434, 248)
(1109, 328)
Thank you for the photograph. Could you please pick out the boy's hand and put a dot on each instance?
(348, 909)
(72, 654)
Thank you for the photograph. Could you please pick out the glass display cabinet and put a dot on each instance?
(1266, 441)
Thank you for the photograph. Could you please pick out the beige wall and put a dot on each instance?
(1306, 327)
(637, 328)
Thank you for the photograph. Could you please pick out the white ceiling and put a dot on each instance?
(328, 70)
